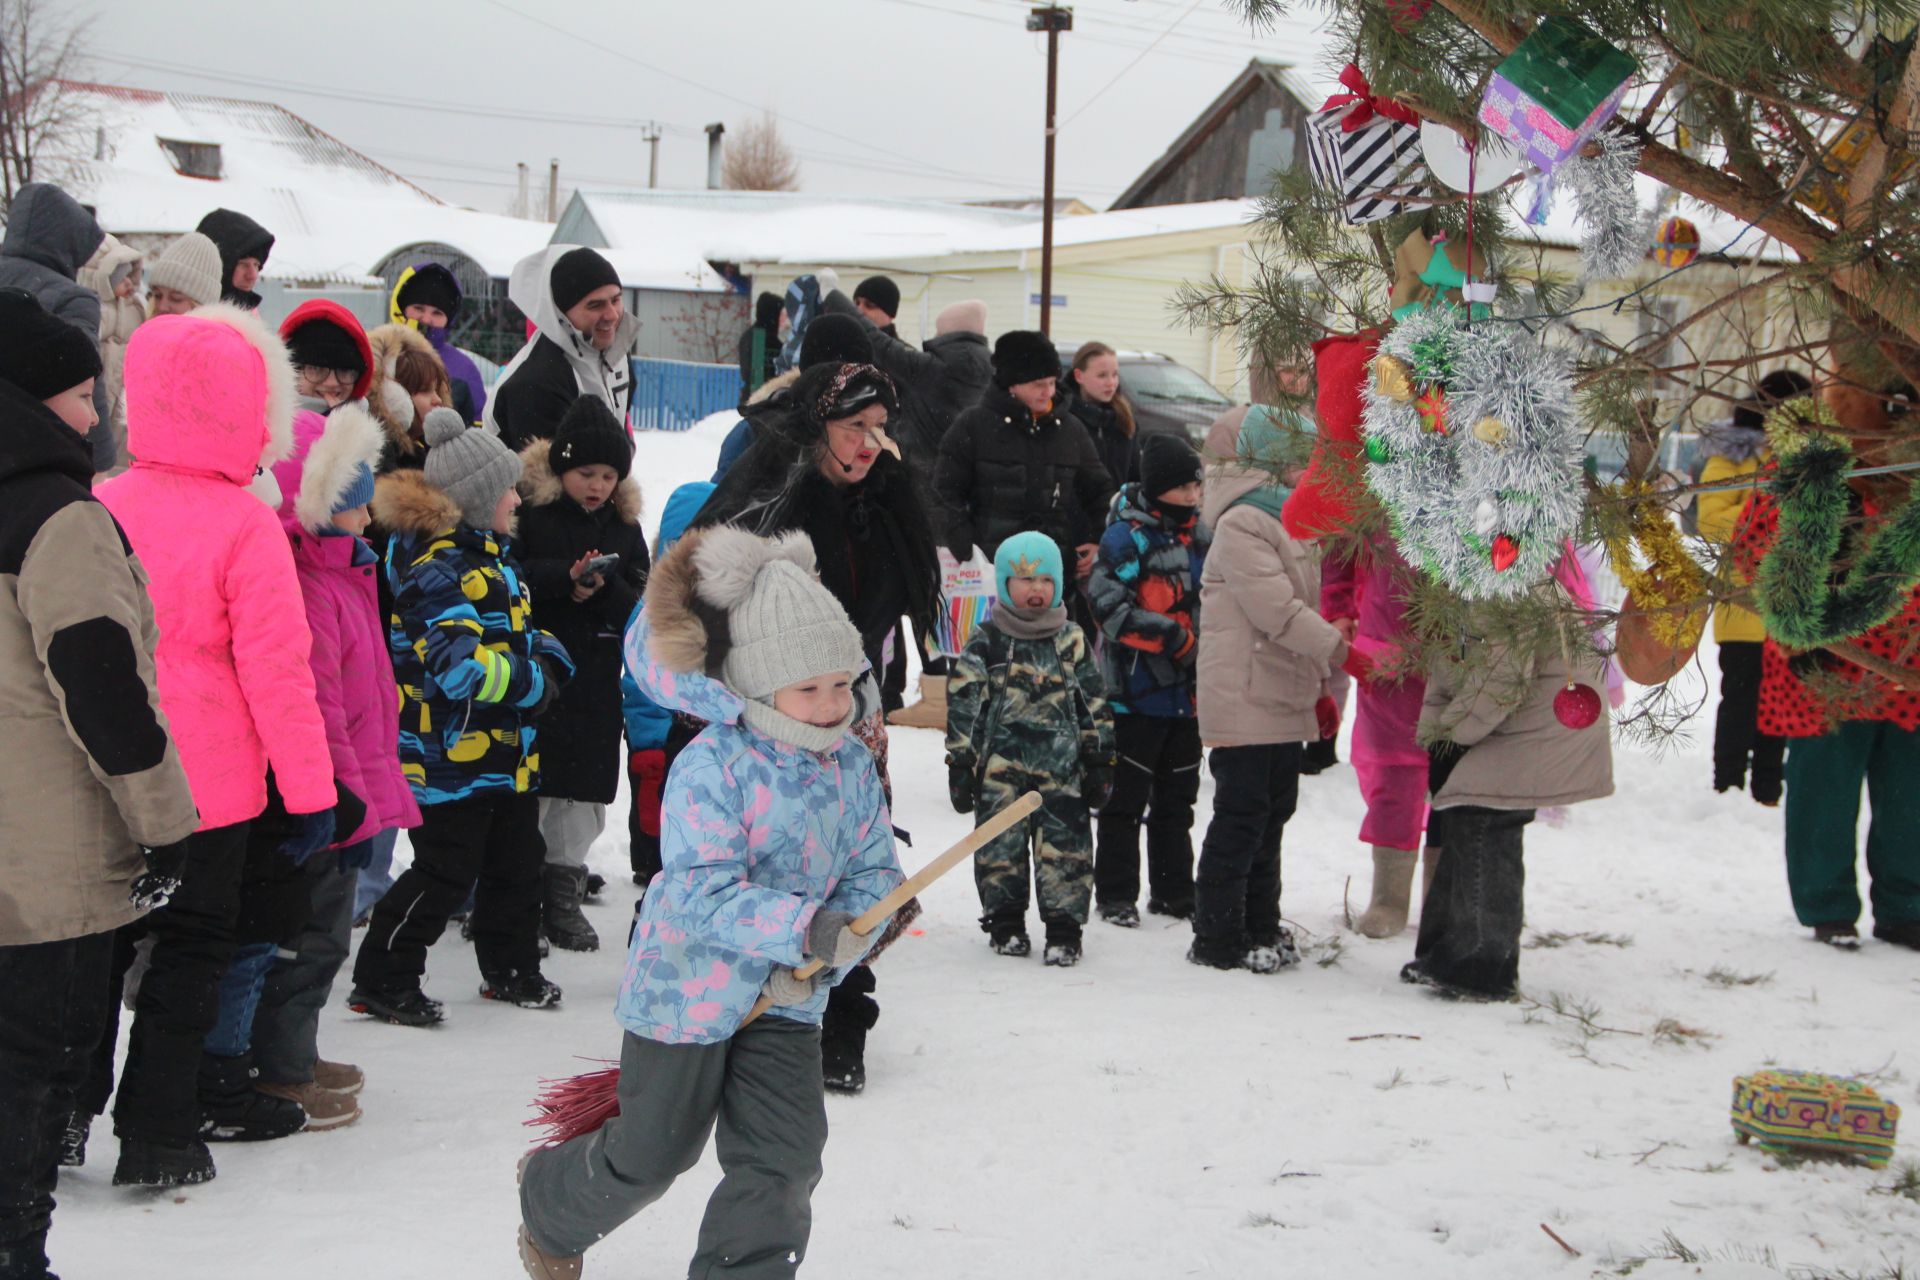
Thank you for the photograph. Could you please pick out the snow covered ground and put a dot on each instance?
(1139, 1117)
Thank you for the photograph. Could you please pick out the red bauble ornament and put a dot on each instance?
(1405, 15)
(1576, 706)
(1505, 552)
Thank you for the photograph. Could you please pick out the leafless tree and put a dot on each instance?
(759, 159)
(42, 125)
(708, 328)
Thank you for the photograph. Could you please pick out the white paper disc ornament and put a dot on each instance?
(1492, 162)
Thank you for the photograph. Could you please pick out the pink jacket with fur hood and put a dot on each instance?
(210, 401)
(352, 673)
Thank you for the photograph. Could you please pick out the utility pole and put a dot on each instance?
(553, 190)
(522, 199)
(652, 134)
(1051, 19)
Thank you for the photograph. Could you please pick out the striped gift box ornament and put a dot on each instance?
(1367, 149)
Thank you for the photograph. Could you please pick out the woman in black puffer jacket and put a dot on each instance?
(1092, 388)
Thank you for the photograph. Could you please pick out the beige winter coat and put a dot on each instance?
(1499, 703)
(1264, 650)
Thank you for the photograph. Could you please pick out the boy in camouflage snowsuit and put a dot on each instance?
(1027, 711)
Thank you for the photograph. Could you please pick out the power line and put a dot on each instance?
(1138, 58)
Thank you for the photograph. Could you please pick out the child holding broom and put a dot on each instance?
(774, 837)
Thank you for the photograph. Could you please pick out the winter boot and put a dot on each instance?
(928, 713)
(851, 1012)
(402, 1006)
(542, 1265)
(1172, 910)
(1124, 914)
(1272, 954)
(26, 1259)
(339, 1077)
(1218, 953)
(73, 1140)
(1841, 933)
(566, 926)
(1386, 914)
(325, 1109)
(232, 1110)
(159, 1164)
(528, 990)
(1063, 944)
(595, 885)
(1011, 940)
(1902, 933)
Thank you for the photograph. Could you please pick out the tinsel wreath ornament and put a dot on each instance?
(1483, 511)
(1807, 601)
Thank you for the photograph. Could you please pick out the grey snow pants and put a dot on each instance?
(760, 1090)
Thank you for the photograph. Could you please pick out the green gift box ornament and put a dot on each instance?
(1556, 90)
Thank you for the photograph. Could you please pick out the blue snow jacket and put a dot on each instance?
(756, 836)
(646, 723)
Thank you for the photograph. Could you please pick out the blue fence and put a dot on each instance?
(672, 395)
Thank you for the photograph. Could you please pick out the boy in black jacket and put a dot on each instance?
(581, 502)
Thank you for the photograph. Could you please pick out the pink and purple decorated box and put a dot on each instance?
(1555, 91)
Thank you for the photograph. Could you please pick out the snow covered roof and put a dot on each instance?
(335, 213)
(672, 235)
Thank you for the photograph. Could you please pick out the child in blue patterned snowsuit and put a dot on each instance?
(774, 837)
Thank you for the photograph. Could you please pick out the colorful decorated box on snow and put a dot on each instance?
(1808, 1113)
(1554, 92)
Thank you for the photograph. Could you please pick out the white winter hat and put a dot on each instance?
(190, 265)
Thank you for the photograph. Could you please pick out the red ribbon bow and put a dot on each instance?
(1362, 93)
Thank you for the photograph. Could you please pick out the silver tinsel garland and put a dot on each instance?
(1614, 229)
(1508, 464)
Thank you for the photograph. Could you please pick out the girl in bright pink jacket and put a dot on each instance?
(332, 465)
(209, 402)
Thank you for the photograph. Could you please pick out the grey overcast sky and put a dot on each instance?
(901, 97)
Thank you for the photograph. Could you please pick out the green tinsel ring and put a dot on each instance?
(1805, 604)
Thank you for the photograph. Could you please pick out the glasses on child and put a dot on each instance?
(317, 374)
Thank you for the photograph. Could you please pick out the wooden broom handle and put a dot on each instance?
(882, 911)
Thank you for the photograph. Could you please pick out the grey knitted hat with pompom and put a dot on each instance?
(469, 465)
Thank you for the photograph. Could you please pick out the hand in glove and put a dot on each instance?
(357, 856)
(647, 773)
(832, 941)
(349, 811)
(1327, 712)
(161, 880)
(1358, 664)
(1442, 757)
(1096, 782)
(785, 987)
(960, 785)
(555, 677)
(310, 833)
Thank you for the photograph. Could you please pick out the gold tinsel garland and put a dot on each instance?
(1671, 578)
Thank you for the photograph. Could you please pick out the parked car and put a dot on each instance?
(1165, 394)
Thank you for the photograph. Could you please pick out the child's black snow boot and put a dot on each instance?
(160, 1164)
(232, 1110)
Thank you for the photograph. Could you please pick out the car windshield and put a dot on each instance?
(1164, 382)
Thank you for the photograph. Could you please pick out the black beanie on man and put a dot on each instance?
(431, 285)
(766, 312)
(40, 353)
(835, 337)
(589, 434)
(1166, 462)
(881, 292)
(577, 273)
(1024, 355)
